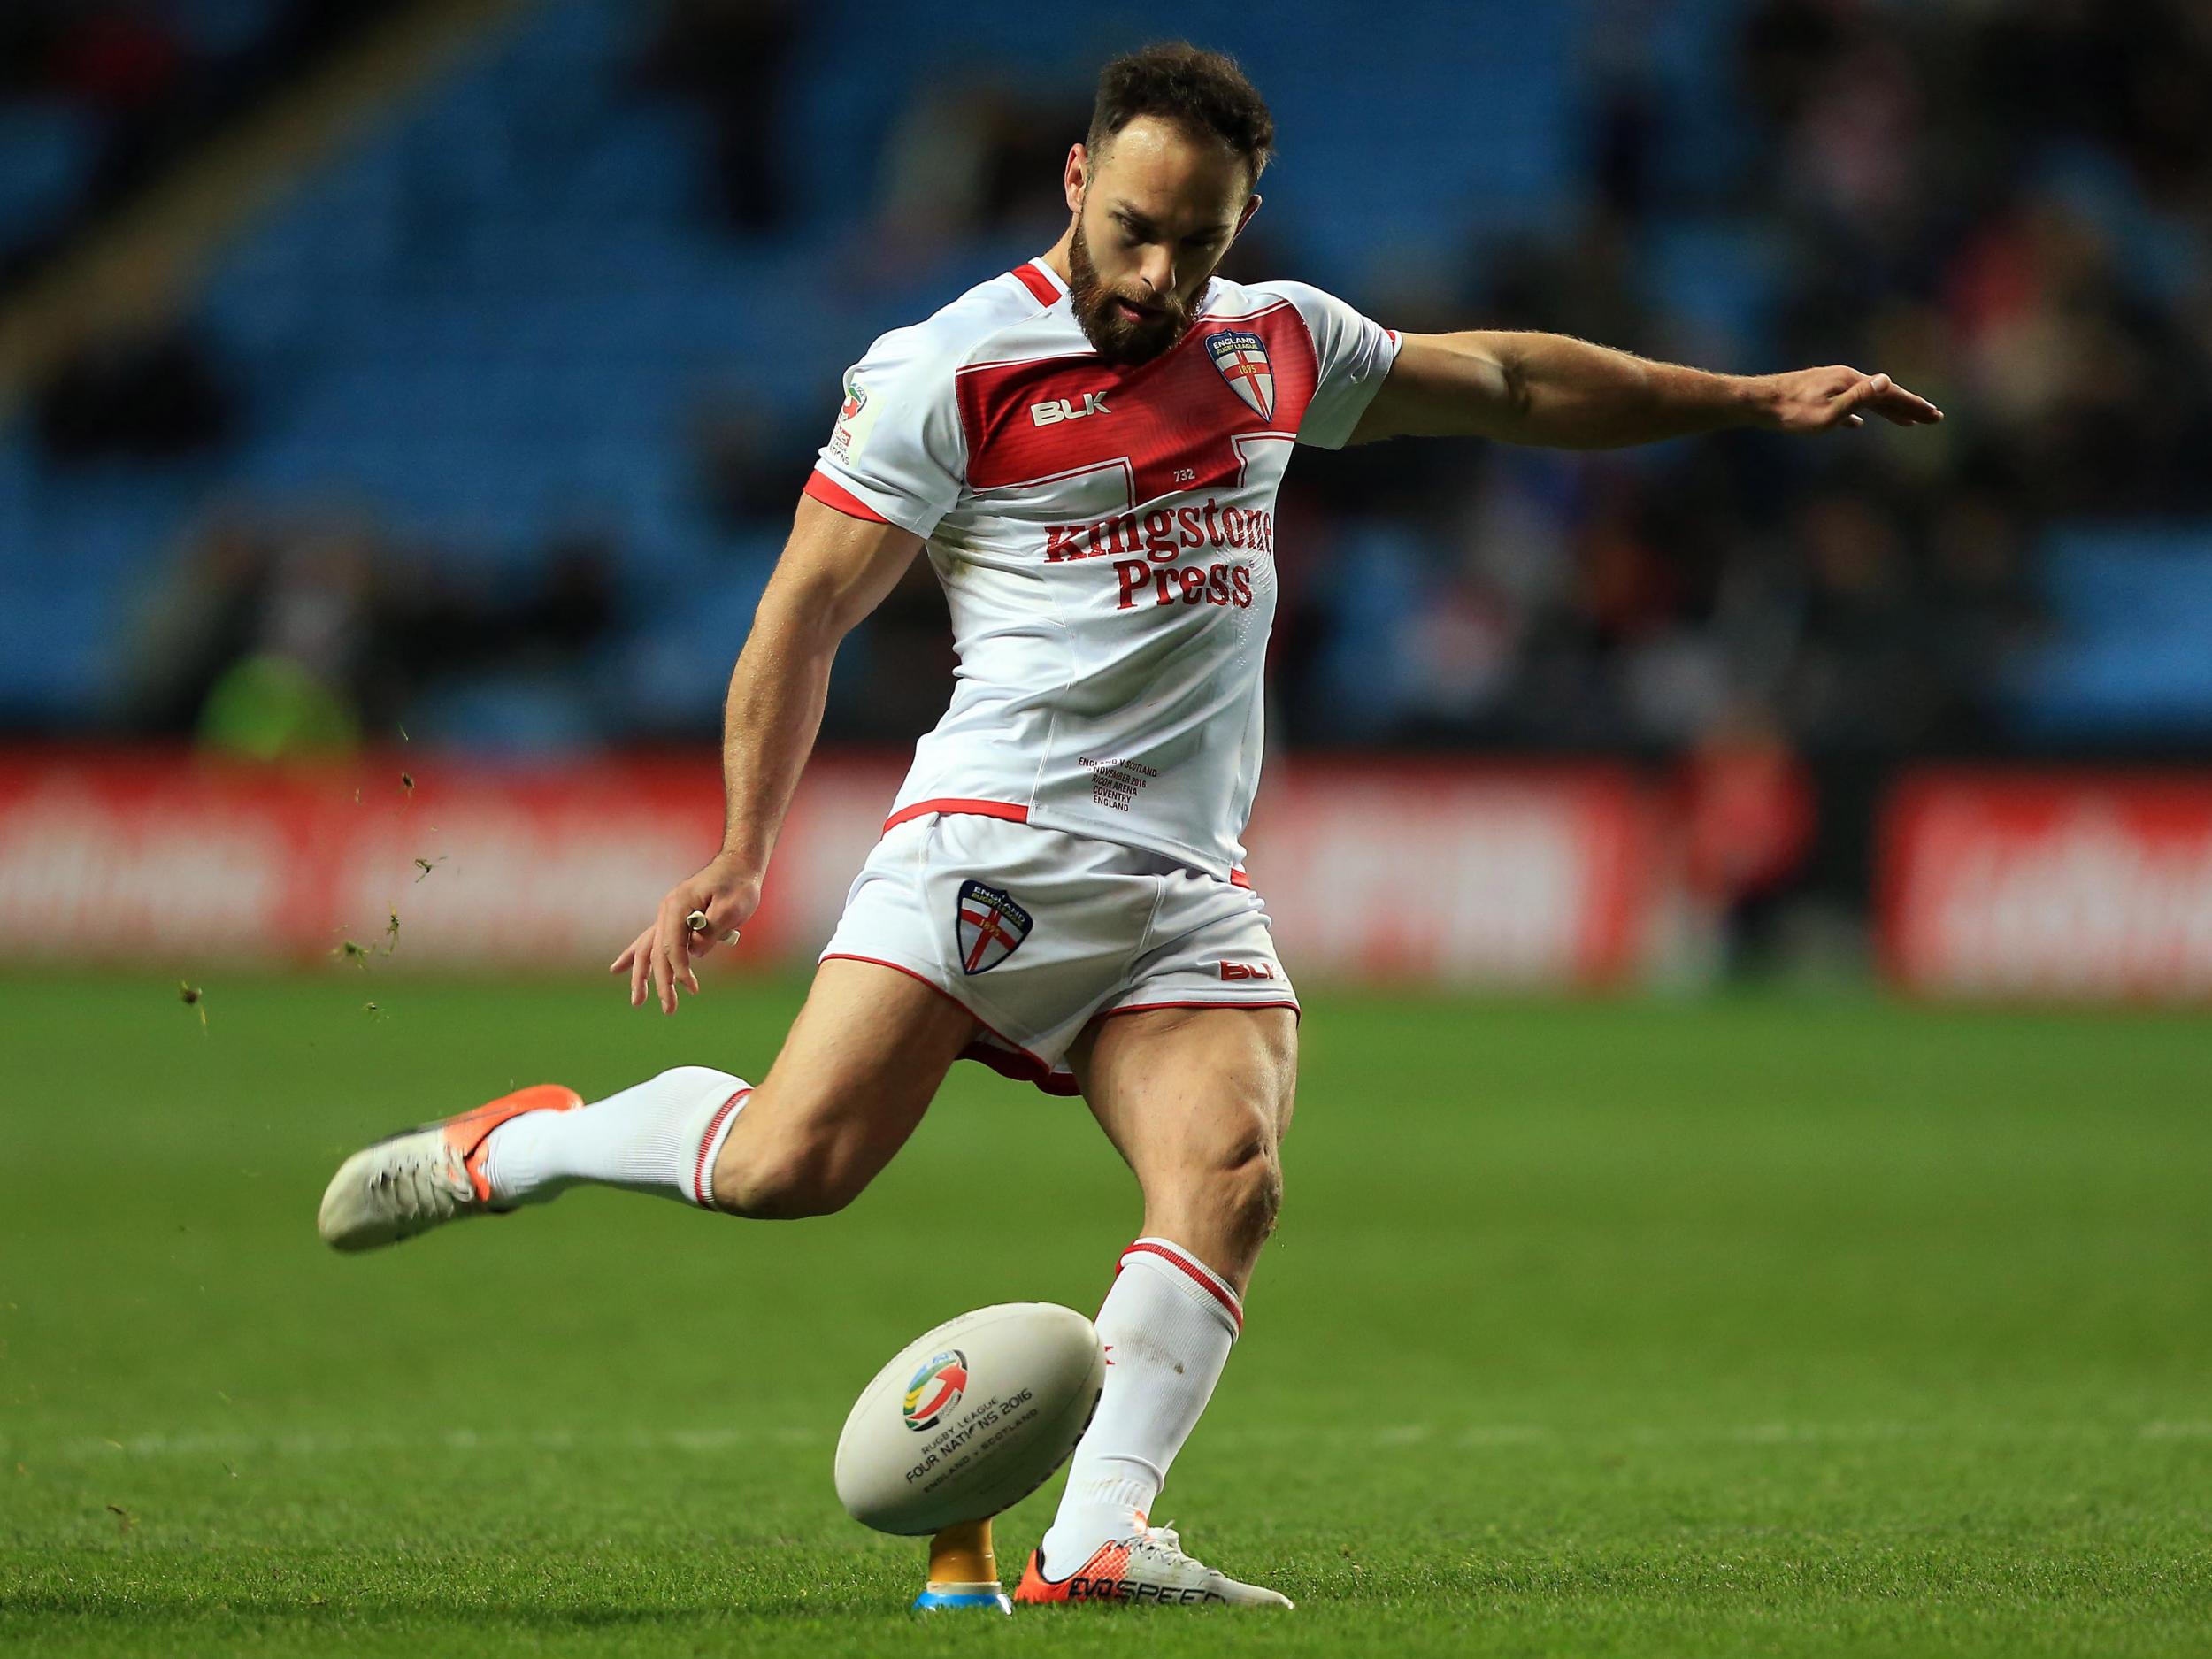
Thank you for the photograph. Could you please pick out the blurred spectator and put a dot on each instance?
(196, 619)
(1748, 816)
(751, 462)
(732, 57)
(971, 159)
(292, 694)
(277, 630)
(151, 396)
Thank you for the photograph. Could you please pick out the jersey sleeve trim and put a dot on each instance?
(830, 493)
(1353, 357)
(1351, 407)
(868, 501)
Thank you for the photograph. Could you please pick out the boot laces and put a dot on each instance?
(423, 1184)
(1165, 1544)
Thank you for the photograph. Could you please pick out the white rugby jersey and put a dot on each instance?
(1105, 537)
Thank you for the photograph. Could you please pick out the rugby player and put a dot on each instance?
(1088, 449)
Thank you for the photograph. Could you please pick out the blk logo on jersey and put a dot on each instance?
(1054, 410)
(1241, 357)
(990, 926)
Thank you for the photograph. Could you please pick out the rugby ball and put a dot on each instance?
(970, 1418)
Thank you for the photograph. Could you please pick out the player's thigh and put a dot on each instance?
(863, 1060)
(1186, 1093)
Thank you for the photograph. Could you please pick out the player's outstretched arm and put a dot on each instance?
(1568, 393)
(834, 570)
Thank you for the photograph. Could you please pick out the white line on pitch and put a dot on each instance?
(1384, 1437)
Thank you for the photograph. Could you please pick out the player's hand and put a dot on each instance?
(663, 954)
(1820, 400)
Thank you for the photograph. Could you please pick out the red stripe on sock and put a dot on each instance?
(699, 1185)
(1197, 1273)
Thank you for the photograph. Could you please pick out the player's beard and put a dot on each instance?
(1118, 339)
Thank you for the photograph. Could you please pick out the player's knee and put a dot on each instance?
(1254, 1197)
(1244, 1180)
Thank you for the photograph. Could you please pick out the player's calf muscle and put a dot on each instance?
(797, 1164)
(863, 1061)
(791, 1184)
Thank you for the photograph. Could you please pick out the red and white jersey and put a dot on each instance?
(1105, 537)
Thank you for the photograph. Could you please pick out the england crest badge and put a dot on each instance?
(990, 926)
(1241, 357)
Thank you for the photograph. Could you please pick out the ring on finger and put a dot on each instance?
(698, 924)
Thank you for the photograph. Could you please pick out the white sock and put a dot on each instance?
(660, 1137)
(1168, 1325)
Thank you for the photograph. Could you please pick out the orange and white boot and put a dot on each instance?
(1148, 1567)
(413, 1181)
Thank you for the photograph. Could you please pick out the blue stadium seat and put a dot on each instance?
(500, 312)
(221, 28)
(501, 309)
(2133, 610)
(47, 152)
(1719, 278)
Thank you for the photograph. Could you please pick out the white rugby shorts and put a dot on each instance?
(1036, 932)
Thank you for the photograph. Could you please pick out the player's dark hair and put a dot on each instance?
(1199, 90)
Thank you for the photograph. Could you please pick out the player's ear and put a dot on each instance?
(1251, 206)
(1076, 174)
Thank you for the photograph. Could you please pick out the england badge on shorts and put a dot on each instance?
(990, 926)
(1241, 357)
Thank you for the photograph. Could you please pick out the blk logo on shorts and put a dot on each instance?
(990, 925)
(1241, 357)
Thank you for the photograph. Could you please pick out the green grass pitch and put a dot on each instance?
(1758, 1327)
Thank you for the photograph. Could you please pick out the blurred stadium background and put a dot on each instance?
(425, 389)
(401, 407)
